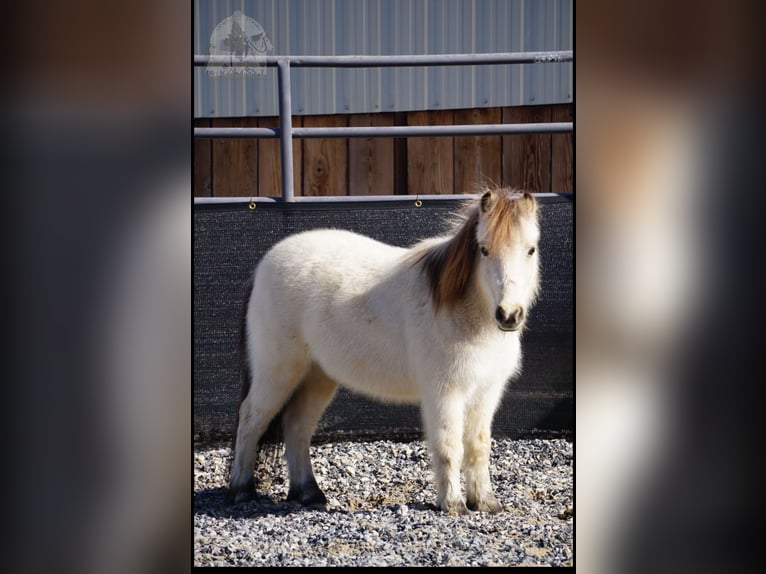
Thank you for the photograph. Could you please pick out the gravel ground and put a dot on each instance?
(380, 511)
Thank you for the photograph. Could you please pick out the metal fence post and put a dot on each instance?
(285, 130)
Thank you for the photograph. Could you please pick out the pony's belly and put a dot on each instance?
(362, 344)
(383, 385)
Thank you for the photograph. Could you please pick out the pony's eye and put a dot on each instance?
(484, 250)
(531, 251)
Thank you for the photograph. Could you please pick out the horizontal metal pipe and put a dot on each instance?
(272, 133)
(389, 61)
(390, 131)
(348, 198)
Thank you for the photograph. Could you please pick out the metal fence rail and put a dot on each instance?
(347, 198)
(390, 131)
(389, 61)
(286, 132)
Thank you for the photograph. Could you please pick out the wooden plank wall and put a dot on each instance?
(384, 166)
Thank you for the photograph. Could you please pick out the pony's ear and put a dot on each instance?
(530, 199)
(486, 201)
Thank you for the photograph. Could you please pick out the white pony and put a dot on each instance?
(437, 324)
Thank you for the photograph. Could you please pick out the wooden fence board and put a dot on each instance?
(400, 157)
(235, 161)
(430, 160)
(527, 158)
(325, 161)
(478, 159)
(371, 160)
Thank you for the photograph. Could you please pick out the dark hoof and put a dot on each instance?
(242, 494)
(307, 495)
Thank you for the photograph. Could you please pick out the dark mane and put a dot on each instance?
(449, 264)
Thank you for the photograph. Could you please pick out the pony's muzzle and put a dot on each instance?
(509, 321)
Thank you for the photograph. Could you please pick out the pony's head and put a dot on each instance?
(495, 244)
(507, 235)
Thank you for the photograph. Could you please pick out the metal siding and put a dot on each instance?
(565, 26)
(391, 27)
(485, 76)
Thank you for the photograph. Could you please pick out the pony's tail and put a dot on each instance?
(269, 443)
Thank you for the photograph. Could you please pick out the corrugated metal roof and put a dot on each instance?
(382, 27)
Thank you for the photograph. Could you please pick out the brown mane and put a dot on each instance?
(449, 265)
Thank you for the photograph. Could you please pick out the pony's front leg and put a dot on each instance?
(443, 421)
(477, 438)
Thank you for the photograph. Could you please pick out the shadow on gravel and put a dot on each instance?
(216, 502)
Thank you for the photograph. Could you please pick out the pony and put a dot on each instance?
(438, 324)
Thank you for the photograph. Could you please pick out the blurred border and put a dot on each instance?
(97, 111)
(667, 121)
(97, 235)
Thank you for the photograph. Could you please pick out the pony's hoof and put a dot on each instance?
(455, 508)
(243, 493)
(309, 495)
(240, 496)
(491, 505)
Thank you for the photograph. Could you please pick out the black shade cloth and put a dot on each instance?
(230, 239)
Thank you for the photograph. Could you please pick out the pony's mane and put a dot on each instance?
(449, 264)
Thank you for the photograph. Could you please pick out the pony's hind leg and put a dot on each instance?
(268, 394)
(299, 422)
(250, 428)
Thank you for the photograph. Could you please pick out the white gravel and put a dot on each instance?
(380, 511)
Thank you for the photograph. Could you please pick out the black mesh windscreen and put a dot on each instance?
(229, 240)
